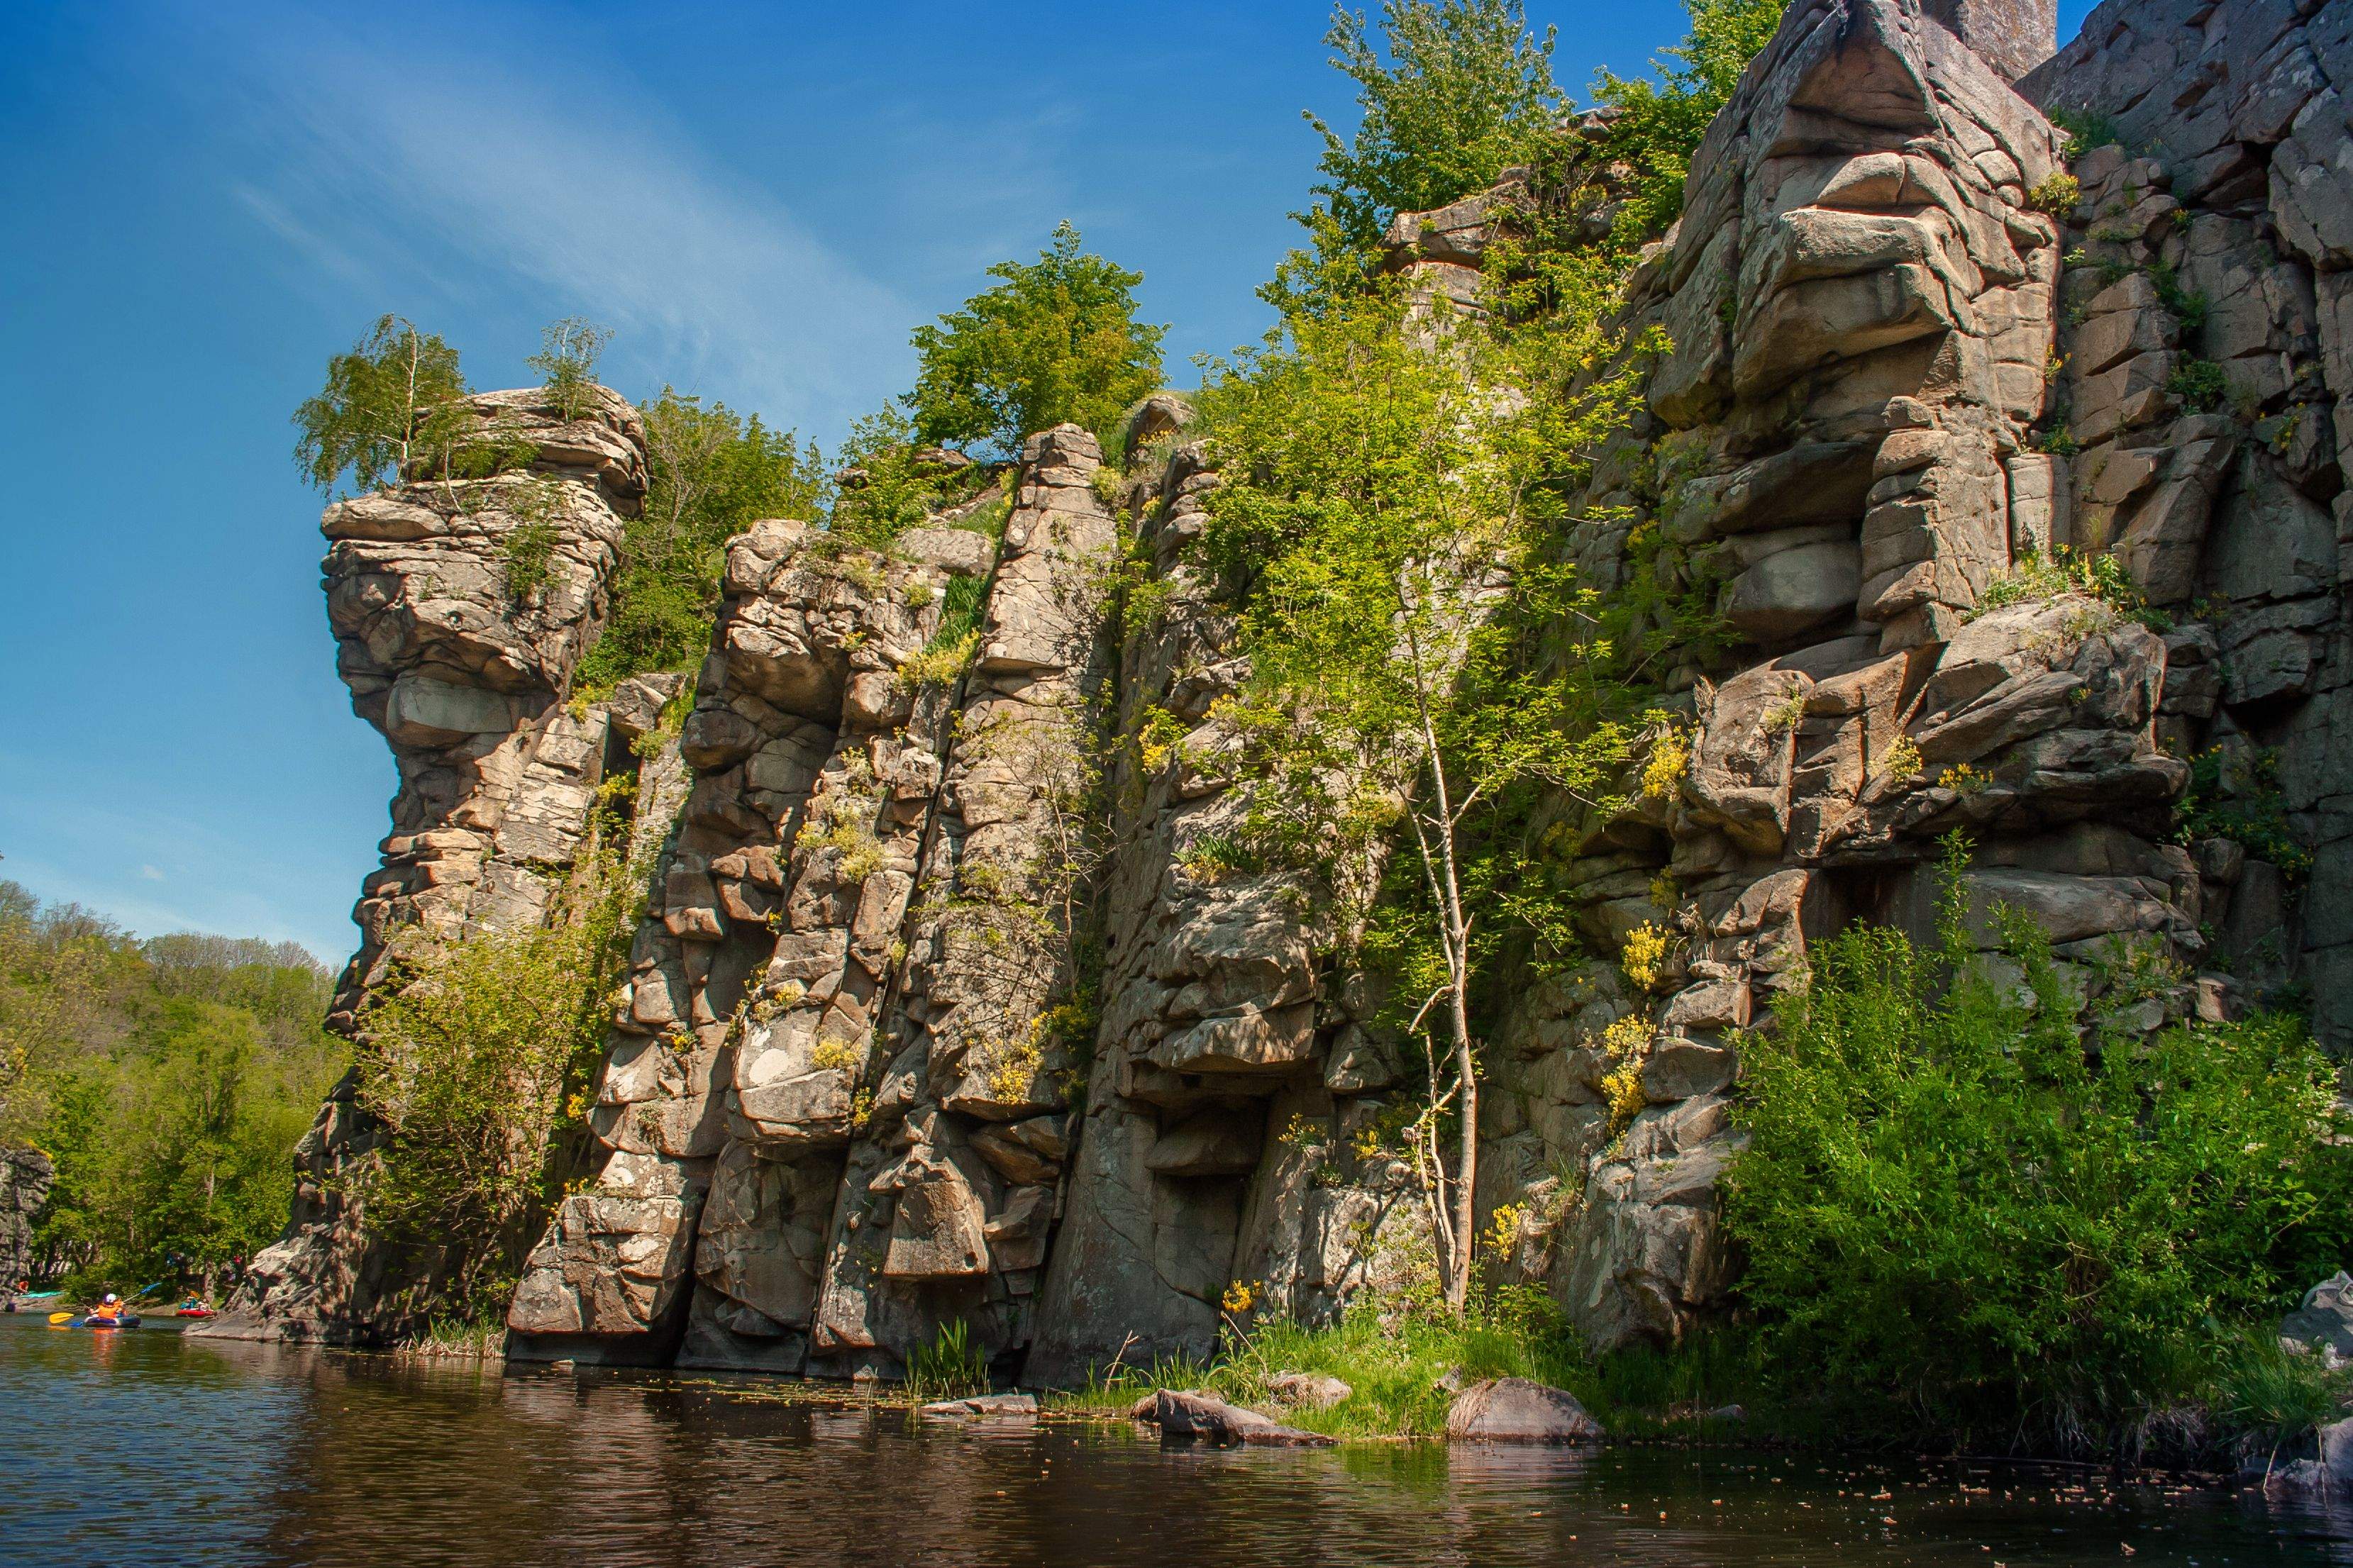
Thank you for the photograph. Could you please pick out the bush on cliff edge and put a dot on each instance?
(1950, 1200)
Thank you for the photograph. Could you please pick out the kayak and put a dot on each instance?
(194, 1312)
(124, 1322)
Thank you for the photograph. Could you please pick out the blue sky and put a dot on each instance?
(201, 202)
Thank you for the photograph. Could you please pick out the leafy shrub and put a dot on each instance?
(2033, 579)
(2085, 130)
(1465, 91)
(568, 352)
(2200, 383)
(710, 474)
(2237, 796)
(1949, 1205)
(1057, 341)
(2057, 194)
(475, 1061)
(1661, 122)
(527, 560)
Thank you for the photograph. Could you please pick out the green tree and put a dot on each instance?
(1456, 93)
(1661, 122)
(1385, 494)
(392, 403)
(1057, 341)
(1955, 1207)
(710, 474)
(567, 360)
(169, 1080)
(1466, 91)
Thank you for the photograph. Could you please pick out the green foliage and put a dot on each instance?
(1465, 92)
(2200, 383)
(389, 403)
(568, 352)
(2032, 579)
(1951, 1210)
(2274, 1397)
(951, 648)
(950, 1367)
(2085, 130)
(527, 560)
(476, 1061)
(2236, 795)
(1661, 122)
(711, 473)
(168, 1079)
(2190, 307)
(1395, 1362)
(888, 486)
(1057, 341)
(2057, 194)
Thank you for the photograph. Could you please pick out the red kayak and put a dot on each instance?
(198, 1311)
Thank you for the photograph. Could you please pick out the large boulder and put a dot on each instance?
(1515, 1410)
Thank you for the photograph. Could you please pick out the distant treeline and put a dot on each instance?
(168, 1078)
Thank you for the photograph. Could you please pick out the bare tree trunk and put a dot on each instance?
(1455, 939)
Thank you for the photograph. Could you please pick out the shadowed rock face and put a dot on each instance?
(2209, 353)
(25, 1177)
(851, 1096)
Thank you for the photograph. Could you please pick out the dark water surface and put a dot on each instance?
(150, 1449)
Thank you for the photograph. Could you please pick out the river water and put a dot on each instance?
(146, 1447)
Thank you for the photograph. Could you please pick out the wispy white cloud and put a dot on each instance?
(151, 874)
(451, 144)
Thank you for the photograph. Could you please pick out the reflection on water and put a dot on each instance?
(151, 1448)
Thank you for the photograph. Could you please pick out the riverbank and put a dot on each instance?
(282, 1455)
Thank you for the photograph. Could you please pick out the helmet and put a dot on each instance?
(110, 1298)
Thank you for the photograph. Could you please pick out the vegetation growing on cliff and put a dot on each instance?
(392, 402)
(1056, 341)
(1660, 118)
(1392, 521)
(167, 1079)
(478, 1059)
(2081, 1231)
(1465, 91)
(711, 473)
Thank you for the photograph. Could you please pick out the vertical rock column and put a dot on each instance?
(460, 608)
(808, 767)
(961, 1115)
(1210, 1014)
(835, 1097)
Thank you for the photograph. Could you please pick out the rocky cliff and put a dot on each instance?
(460, 608)
(941, 1012)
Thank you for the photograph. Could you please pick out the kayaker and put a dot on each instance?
(108, 1308)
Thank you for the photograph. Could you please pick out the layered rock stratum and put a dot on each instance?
(939, 1013)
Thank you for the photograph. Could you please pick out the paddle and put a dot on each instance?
(58, 1319)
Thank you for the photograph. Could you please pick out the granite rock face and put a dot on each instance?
(462, 662)
(946, 1007)
(837, 1106)
(2209, 381)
